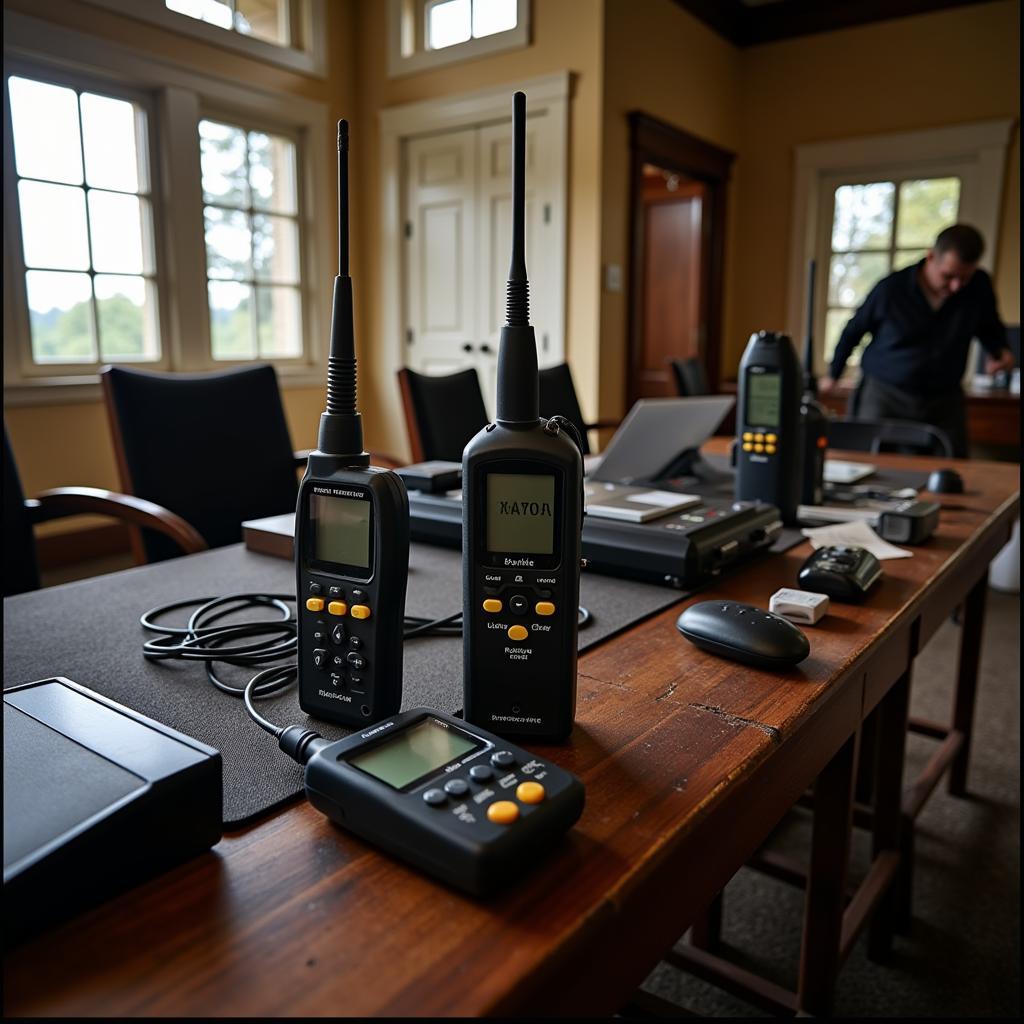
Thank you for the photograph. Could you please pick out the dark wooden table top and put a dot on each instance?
(688, 761)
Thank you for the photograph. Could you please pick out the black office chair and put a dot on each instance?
(691, 380)
(21, 566)
(875, 436)
(558, 398)
(212, 447)
(441, 413)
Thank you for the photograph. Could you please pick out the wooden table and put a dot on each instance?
(689, 762)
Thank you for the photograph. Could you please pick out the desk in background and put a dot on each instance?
(689, 762)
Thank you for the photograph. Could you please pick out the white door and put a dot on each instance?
(469, 276)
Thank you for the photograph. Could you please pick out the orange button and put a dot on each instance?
(748, 447)
(769, 449)
(315, 604)
(502, 812)
(544, 608)
(492, 604)
(337, 608)
(771, 438)
(530, 792)
(359, 611)
(748, 436)
(758, 447)
(822, 442)
(759, 437)
(517, 633)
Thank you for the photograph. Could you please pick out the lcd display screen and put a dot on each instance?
(521, 512)
(414, 753)
(341, 530)
(763, 393)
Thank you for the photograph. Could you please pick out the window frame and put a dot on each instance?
(177, 99)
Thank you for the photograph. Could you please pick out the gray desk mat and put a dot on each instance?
(90, 632)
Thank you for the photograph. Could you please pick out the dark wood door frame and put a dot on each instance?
(656, 142)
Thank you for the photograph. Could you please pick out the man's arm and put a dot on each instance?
(867, 318)
(992, 331)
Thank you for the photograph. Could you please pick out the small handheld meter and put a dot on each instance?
(522, 514)
(450, 798)
(351, 540)
(769, 436)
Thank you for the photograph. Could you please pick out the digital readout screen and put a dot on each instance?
(341, 530)
(763, 393)
(413, 753)
(521, 512)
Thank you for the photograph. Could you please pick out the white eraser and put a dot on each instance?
(799, 605)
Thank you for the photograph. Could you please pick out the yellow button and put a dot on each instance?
(545, 608)
(758, 447)
(759, 437)
(492, 604)
(337, 608)
(748, 436)
(769, 449)
(359, 611)
(517, 633)
(315, 604)
(771, 438)
(530, 792)
(502, 812)
(748, 447)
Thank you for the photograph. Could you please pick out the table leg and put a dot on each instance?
(967, 681)
(706, 931)
(826, 881)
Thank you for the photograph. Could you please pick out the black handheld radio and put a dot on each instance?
(769, 448)
(813, 418)
(351, 540)
(522, 514)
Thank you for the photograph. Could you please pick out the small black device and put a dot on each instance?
(351, 540)
(744, 633)
(908, 522)
(945, 481)
(813, 417)
(843, 573)
(769, 437)
(96, 798)
(522, 493)
(431, 477)
(448, 797)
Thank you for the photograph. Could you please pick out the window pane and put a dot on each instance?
(835, 321)
(272, 173)
(60, 316)
(111, 148)
(275, 249)
(228, 244)
(448, 23)
(53, 225)
(490, 16)
(222, 156)
(906, 257)
(265, 19)
(115, 224)
(231, 320)
(279, 321)
(852, 275)
(926, 207)
(46, 137)
(216, 12)
(126, 308)
(863, 216)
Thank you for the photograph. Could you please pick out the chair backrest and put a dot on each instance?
(691, 380)
(558, 398)
(902, 436)
(441, 413)
(21, 570)
(212, 447)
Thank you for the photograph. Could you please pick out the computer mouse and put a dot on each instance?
(744, 633)
(945, 481)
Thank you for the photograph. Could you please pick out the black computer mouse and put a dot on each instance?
(945, 481)
(744, 633)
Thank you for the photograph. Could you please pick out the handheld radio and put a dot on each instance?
(351, 540)
(813, 418)
(522, 514)
(769, 449)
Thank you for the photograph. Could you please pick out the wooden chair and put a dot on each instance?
(691, 380)
(558, 398)
(21, 567)
(441, 413)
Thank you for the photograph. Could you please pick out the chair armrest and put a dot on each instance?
(602, 425)
(59, 502)
(377, 458)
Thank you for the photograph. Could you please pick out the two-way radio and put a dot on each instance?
(522, 513)
(351, 540)
(813, 418)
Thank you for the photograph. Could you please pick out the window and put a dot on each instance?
(264, 19)
(250, 215)
(85, 209)
(450, 22)
(879, 227)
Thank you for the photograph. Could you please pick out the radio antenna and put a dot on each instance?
(810, 381)
(517, 398)
(341, 426)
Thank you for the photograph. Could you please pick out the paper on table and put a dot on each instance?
(856, 534)
(666, 499)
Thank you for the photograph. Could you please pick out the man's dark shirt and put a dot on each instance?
(916, 348)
